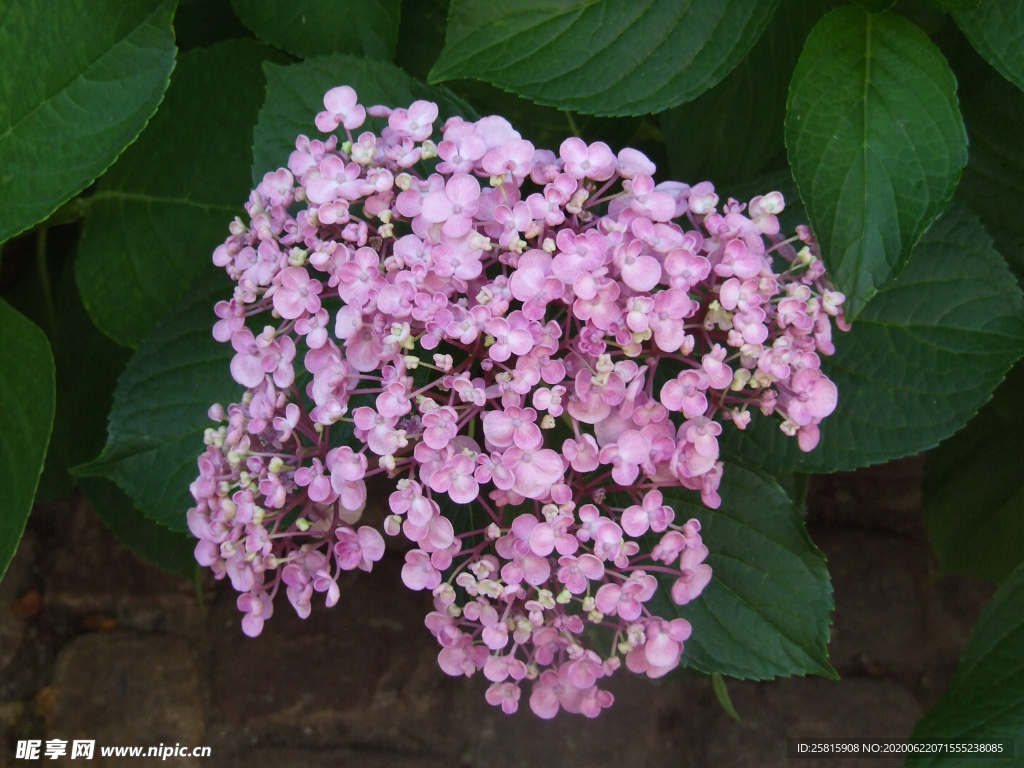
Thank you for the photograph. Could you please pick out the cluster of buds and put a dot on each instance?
(537, 348)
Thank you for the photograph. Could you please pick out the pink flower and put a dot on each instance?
(640, 271)
(576, 571)
(512, 425)
(358, 277)
(702, 199)
(336, 180)
(626, 455)
(582, 162)
(416, 122)
(456, 479)
(358, 549)
(658, 206)
(277, 187)
(633, 162)
(511, 159)
(523, 318)
(418, 573)
(297, 294)
(246, 365)
(695, 575)
(578, 254)
(257, 608)
(453, 207)
(626, 600)
(738, 260)
(597, 301)
(544, 697)
(660, 654)
(440, 427)
(319, 484)
(508, 341)
(460, 150)
(653, 514)
(686, 393)
(533, 284)
(719, 374)
(685, 268)
(341, 108)
(506, 695)
(534, 470)
(813, 396)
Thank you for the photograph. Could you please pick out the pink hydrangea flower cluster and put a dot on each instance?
(533, 345)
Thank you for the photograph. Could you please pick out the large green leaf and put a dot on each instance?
(199, 23)
(420, 40)
(166, 204)
(27, 393)
(421, 35)
(767, 611)
(993, 182)
(601, 57)
(735, 130)
(87, 364)
(876, 142)
(314, 27)
(985, 698)
(171, 550)
(295, 94)
(955, 5)
(922, 358)
(973, 496)
(80, 80)
(159, 414)
(996, 30)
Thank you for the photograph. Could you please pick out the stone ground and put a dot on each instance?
(96, 644)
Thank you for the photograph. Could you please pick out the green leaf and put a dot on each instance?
(876, 142)
(421, 35)
(722, 694)
(993, 182)
(200, 23)
(996, 30)
(735, 130)
(955, 5)
(159, 414)
(171, 550)
(295, 94)
(87, 365)
(973, 498)
(307, 28)
(166, 204)
(767, 610)
(26, 417)
(80, 81)
(876, 6)
(420, 39)
(601, 57)
(984, 700)
(922, 358)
